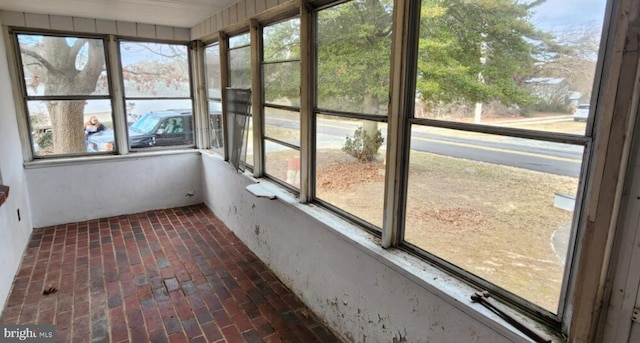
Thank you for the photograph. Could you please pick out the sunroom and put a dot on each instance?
(358, 171)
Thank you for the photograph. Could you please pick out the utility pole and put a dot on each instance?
(483, 61)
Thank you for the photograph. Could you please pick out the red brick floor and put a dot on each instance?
(176, 275)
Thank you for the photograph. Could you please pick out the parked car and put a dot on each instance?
(163, 128)
(581, 113)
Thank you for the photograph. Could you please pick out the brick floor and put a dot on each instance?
(175, 275)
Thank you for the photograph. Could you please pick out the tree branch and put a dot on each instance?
(36, 56)
(77, 45)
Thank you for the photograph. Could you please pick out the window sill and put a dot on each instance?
(449, 288)
(55, 162)
(4, 194)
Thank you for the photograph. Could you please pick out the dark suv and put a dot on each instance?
(164, 128)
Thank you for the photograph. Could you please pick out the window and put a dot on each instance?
(157, 90)
(66, 92)
(214, 95)
(496, 157)
(240, 61)
(353, 43)
(281, 104)
(239, 55)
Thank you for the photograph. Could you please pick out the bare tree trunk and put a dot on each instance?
(65, 76)
(67, 118)
(370, 128)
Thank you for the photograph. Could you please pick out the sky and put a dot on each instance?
(566, 15)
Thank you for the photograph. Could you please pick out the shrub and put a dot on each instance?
(363, 146)
(45, 140)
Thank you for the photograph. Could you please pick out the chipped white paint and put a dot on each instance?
(341, 272)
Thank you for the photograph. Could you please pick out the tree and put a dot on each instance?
(354, 56)
(459, 39)
(66, 67)
(353, 64)
(573, 59)
(281, 51)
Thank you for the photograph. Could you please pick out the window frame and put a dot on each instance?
(264, 104)
(115, 96)
(404, 70)
(315, 111)
(400, 119)
(29, 151)
(226, 74)
(216, 44)
(191, 98)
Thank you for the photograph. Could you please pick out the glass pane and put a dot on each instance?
(354, 56)
(212, 61)
(215, 124)
(281, 41)
(350, 166)
(155, 69)
(137, 108)
(240, 68)
(516, 65)
(282, 125)
(499, 207)
(241, 40)
(158, 123)
(249, 160)
(81, 59)
(65, 127)
(282, 163)
(282, 83)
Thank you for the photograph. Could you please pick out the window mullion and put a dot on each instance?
(256, 98)
(117, 96)
(13, 59)
(224, 82)
(405, 26)
(200, 108)
(307, 78)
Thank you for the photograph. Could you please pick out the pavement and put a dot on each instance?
(560, 242)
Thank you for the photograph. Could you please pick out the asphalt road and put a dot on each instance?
(553, 158)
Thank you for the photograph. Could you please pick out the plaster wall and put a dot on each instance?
(14, 232)
(344, 280)
(98, 188)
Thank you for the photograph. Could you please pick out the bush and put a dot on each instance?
(546, 107)
(363, 146)
(45, 140)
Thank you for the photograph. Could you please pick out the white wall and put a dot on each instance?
(14, 234)
(89, 25)
(346, 279)
(100, 188)
(235, 13)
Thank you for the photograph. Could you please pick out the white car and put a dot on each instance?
(581, 113)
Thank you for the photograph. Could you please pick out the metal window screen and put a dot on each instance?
(238, 112)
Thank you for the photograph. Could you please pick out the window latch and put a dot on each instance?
(483, 299)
